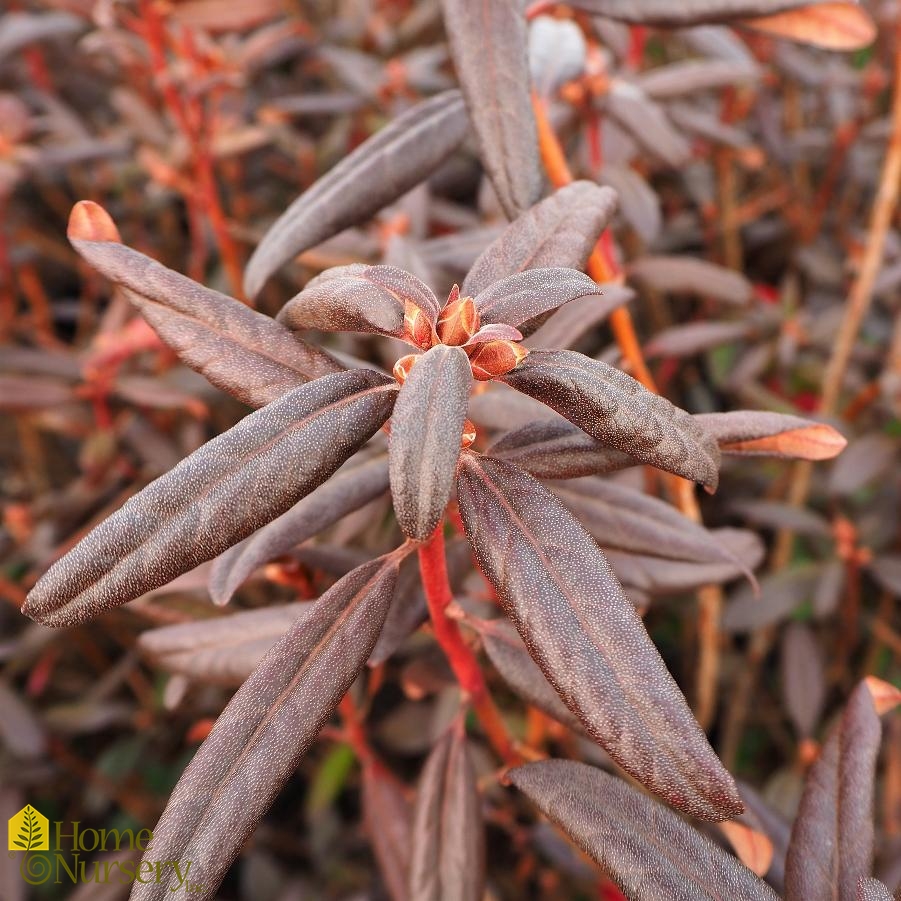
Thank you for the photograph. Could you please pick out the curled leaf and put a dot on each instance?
(559, 590)
(518, 298)
(615, 409)
(759, 433)
(648, 851)
(695, 12)
(380, 170)
(561, 230)
(447, 858)
(244, 478)
(489, 43)
(833, 26)
(426, 429)
(359, 298)
(345, 492)
(266, 728)
(239, 350)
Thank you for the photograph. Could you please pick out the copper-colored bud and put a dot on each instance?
(403, 366)
(417, 328)
(495, 358)
(469, 434)
(458, 322)
(89, 221)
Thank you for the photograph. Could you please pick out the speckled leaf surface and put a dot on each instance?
(239, 350)
(615, 409)
(649, 852)
(426, 429)
(831, 847)
(380, 170)
(561, 230)
(525, 295)
(345, 492)
(569, 608)
(695, 12)
(266, 728)
(488, 40)
(358, 298)
(447, 857)
(231, 486)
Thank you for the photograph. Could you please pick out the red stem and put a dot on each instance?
(433, 567)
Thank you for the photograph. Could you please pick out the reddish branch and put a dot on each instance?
(433, 567)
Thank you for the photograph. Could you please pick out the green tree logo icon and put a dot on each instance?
(28, 831)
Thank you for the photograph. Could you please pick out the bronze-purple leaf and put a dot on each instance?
(223, 649)
(388, 818)
(558, 450)
(347, 491)
(630, 520)
(489, 43)
(803, 678)
(230, 487)
(239, 350)
(426, 429)
(380, 170)
(831, 846)
(267, 727)
(359, 298)
(689, 275)
(615, 409)
(696, 12)
(511, 659)
(559, 590)
(560, 231)
(568, 324)
(447, 858)
(518, 298)
(760, 433)
(647, 850)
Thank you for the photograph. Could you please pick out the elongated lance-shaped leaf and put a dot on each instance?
(345, 492)
(561, 230)
(447, 858)
(559, 590)
(680, 15)
(388, 817)
(359, 298)
(558, 450)
(831, 846)
(523, 296)
(380, 170)
(630, 520)
(646, 849)
(689, 275)
(511, 659)
(266, 728)
(426, 429)
(241, 351)
(227, 489)
(224, 649)
(489, 43)
(615, 409)
(757, 433)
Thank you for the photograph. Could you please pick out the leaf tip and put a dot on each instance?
(89, 221)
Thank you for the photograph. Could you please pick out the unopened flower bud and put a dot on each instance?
(469, 434)
(417, 328)
(458, 322)
(403, 366)
(495, 358)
